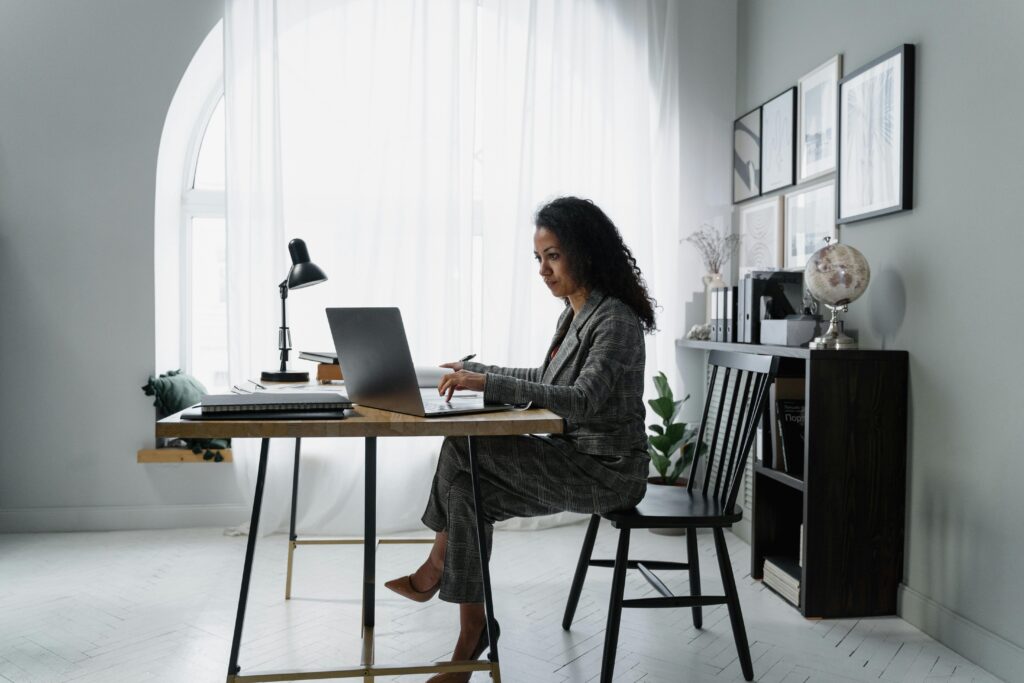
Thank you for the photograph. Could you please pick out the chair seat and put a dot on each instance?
(666, 507)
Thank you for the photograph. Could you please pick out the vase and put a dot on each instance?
(711, 281)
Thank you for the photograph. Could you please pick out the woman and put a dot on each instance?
(592, 376)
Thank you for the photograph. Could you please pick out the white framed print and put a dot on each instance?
(810, 217)
(778, 151)
(816, 120)
(876, 137)
(760, 230)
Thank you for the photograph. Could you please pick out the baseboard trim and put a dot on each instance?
(988, 650)
(121, 517)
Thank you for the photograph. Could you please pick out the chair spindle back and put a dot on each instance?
(736, 398)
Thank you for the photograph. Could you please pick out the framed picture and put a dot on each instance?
(810, 217)
(760, 235)
(816, 117)
(746, 156)
(876, 137)
(778, 137)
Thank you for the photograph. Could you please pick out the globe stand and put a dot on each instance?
(834, 338)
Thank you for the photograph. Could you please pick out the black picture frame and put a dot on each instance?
(746, 156)
(775, 150)
(851, 172)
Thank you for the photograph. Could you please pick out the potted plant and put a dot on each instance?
(672, 445)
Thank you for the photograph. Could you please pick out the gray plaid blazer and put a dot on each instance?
(595, 381)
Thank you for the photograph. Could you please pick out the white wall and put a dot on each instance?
(707, 83)
(85, 88)
(944, 278)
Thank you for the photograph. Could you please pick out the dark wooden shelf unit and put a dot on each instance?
(851, 501)
(787, 479)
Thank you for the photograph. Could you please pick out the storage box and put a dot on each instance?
(788, 332)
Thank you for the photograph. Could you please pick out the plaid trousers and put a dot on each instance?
(520, 476)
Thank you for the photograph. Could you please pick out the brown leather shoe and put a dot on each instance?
(403, 586)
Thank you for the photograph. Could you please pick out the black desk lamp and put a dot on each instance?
(302, 274)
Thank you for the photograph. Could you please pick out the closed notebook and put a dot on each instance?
(274, 401)
(304, 414)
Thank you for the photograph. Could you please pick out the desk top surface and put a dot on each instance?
(364, 421)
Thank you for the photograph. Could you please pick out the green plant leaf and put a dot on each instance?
(676, 431)
(661, 384)
(678, 469)
(663, 407)
(665, 445)
(657, 429)
(660, 462)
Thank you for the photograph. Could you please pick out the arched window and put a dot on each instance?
(189, 228)
(204, 340)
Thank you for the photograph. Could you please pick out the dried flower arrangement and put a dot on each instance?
(715, 248)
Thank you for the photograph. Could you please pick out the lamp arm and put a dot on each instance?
(284, 336)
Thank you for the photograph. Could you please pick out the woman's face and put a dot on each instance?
(554, 269)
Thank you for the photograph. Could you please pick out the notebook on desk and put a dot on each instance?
(195, 413)
(273, 401)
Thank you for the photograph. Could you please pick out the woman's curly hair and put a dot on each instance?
(596, 255)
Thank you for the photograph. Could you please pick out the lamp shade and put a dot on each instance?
(303, 273)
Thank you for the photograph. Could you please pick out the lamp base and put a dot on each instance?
(277, 376)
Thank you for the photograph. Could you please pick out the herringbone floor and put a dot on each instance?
(159, 606)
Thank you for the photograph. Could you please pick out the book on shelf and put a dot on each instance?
(790, 414)
(273, 401)
(784, 389)
(782, 574)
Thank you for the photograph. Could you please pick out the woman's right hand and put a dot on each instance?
(455, 366)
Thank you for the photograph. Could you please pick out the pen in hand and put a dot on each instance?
(469, 357)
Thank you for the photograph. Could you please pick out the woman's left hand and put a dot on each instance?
(461, 380)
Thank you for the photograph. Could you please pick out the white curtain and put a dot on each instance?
(409, 143)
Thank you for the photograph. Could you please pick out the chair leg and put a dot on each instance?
(611, 633)
(694, 562)
(581, 571)
(733, 601)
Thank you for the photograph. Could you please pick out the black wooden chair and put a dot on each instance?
(736, 399)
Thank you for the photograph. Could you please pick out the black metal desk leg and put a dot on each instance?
(295, 488)
(370, 532)
(481, 545)
(291, 526)
(250, 548)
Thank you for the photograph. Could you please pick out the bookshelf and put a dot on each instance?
(850, 500)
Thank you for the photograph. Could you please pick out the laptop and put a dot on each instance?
(378, 368)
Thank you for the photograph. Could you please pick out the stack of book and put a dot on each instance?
(782, 574)
(271, 405)
(327, 369)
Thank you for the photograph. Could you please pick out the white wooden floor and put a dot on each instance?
(159, 606)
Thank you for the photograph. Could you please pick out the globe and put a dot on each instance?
(837, 274)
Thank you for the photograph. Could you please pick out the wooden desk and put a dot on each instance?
(368, 423)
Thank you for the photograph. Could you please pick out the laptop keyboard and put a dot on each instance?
(437, 404)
